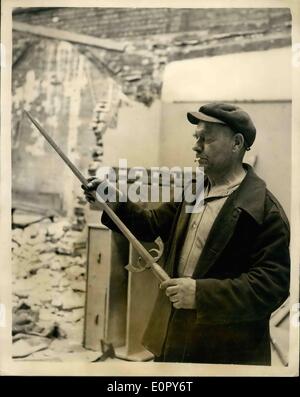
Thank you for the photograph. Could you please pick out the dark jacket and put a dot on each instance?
(242, 276)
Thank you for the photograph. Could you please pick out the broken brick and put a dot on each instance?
(79, 211)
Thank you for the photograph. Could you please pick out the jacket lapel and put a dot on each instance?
(219, 236)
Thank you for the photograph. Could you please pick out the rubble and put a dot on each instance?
(63, 251)
(55, 332)
(78, 286)
(81, 200)
(23, 348)
(49, 269)
(79, 211)
(133, 77)
(24, 319)
(57, 230)
(74, 272)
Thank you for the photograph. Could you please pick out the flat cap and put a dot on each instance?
(224, 113)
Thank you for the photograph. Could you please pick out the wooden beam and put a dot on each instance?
(30, 10)
(68, 36)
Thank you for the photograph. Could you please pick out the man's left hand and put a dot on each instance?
(181, 292)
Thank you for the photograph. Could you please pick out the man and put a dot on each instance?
(229, 263)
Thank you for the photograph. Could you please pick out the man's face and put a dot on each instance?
(213, 146)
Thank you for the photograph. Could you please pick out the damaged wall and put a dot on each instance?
(60, 87)
(155, 37)
(136, 22)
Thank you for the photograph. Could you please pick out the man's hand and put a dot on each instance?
(91, 187)
(181, 292)
(106, 189)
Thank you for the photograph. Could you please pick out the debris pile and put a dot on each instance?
(49, 267)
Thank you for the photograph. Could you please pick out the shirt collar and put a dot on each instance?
(224, 190)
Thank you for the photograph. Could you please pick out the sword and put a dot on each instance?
(156, 269)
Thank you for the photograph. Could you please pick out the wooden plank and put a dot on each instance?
(31, 10)
(44, 203)
(97, 286)
(116, 303)
(68, 36)
(142, 292)
(106, 298)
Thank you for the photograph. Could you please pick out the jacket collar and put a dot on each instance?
(250, 196)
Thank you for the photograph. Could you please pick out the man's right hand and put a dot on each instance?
(90, 188)
(90, 192)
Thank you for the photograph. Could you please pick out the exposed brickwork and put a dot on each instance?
(137, 22)
(155, 37)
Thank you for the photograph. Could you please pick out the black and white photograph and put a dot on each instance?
(149, 198)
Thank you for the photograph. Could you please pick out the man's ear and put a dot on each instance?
(239, 142)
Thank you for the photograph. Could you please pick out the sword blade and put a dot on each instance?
(58, 150)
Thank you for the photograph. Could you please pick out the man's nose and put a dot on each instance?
(198, 147)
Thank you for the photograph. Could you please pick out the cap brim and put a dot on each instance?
(195, 117)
